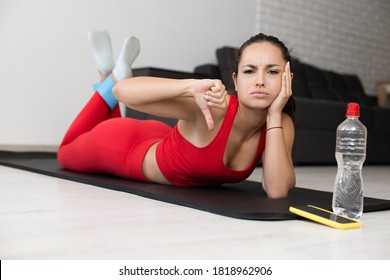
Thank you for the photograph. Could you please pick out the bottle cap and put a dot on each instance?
(353, 110)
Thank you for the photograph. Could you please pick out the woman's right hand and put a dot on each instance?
(210, 94)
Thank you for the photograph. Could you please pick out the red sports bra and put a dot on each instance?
(184, 164)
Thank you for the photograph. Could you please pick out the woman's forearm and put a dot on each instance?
(278, 168)
(144, 90)
(278, 176)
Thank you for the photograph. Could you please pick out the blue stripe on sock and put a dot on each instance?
(105, 91)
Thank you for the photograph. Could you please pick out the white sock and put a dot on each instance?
(128, 54)
(102, 51)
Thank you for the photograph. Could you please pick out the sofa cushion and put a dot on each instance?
(319, 114)
(314, 146)
(299, 82)
(339, 87)
(226, 57)
(381, 122)
(318, 83)
(356, 88)
(210, 70)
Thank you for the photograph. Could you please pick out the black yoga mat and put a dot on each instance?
(245, 200)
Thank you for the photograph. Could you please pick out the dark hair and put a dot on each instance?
(261, 37)
(289, 108)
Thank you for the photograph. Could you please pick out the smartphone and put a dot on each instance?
(325, 217)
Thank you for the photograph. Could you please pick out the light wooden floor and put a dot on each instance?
(47, 218)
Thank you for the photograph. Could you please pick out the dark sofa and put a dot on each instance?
(321, 98)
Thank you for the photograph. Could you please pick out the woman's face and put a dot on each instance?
(259, 77)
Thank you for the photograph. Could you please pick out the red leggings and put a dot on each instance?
(101, 141)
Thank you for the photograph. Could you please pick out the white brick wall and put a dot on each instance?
(349, 36)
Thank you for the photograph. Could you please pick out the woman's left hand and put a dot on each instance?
(211, 94)
(284, 94)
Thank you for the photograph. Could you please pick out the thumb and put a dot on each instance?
(209, 118)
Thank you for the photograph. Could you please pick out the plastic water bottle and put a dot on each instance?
(351, 143)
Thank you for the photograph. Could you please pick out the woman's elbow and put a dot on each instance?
(279, 192)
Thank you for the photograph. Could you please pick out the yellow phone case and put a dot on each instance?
(348, 223)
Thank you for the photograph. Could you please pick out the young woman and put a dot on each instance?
(218, 138)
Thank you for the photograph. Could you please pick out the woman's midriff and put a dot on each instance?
(150, 167)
